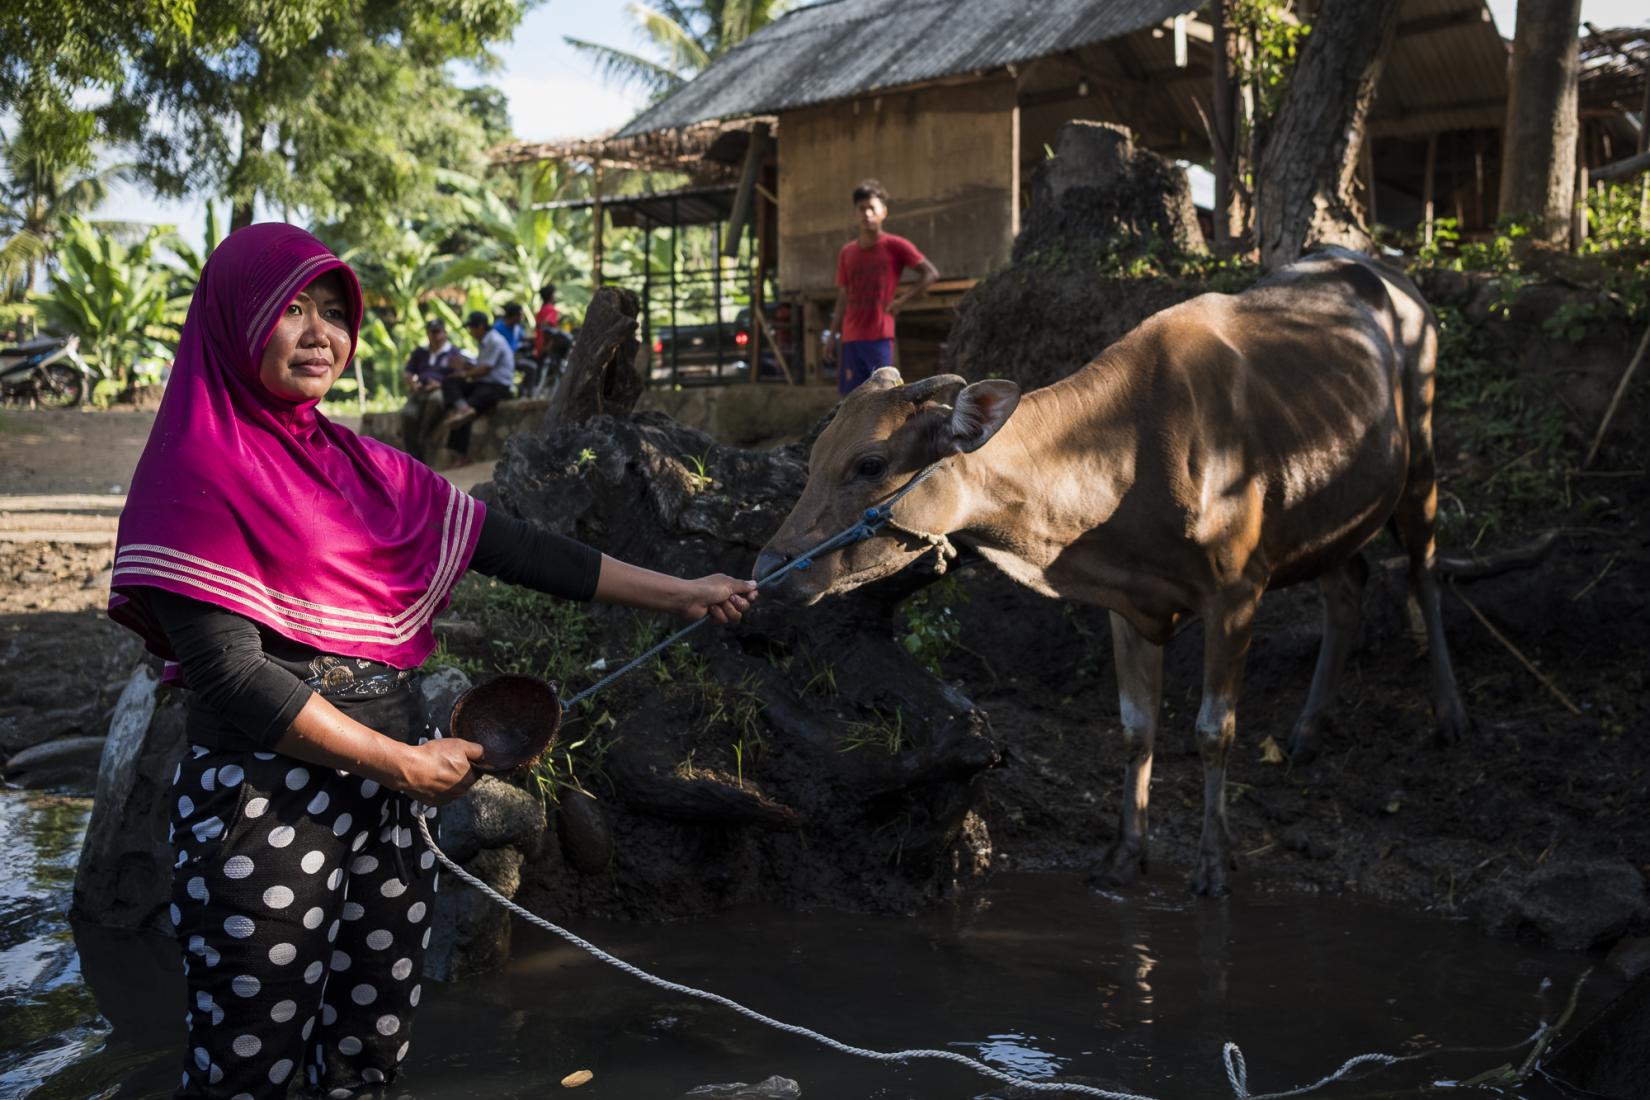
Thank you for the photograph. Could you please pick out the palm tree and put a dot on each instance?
(684, 38)
(525, 243)
(41, 186)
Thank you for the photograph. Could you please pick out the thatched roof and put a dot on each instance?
(843, 48)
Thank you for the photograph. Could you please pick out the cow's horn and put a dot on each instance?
(942, 387)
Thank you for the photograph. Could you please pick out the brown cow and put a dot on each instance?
(1229, 445)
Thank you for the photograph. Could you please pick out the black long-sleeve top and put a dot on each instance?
(251, 682)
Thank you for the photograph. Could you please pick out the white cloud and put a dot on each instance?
(557, 106)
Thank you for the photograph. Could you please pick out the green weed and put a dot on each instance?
(882, 731)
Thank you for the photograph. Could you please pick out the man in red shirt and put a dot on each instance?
(867, 278)
(547, 317)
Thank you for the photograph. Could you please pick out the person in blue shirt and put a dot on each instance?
(511, 326)
(480, 387)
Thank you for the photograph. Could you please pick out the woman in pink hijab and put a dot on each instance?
(292, 571)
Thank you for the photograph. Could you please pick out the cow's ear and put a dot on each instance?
(979, 411)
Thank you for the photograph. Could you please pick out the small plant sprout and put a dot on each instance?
(699, 475)
(880, 731)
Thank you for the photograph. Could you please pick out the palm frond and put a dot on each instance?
(627, 69)
(688, 54)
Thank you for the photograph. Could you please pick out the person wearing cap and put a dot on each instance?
(427, 368)
(476, 389)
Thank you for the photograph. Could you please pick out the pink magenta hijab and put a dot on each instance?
(261, 505)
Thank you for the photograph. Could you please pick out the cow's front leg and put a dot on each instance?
(1227, 627)
(1140, 693)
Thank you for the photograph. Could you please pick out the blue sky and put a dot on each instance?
(555, 92)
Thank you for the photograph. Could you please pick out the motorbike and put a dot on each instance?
(48, 371)
(539, 376)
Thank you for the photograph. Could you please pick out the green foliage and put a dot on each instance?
(339, 108)
(527, 632)
(522, 244)
(18, 317)
(884, 731)
(120, 300)
(1507, 428)
(45, 178)
(681, 40)
(1278, 37)
(931, 626)
(718, 705)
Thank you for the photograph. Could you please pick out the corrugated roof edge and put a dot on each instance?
(663, 115)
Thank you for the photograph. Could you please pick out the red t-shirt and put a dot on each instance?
(547, 315)
(871, 276)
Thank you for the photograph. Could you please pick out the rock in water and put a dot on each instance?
(124, 878)
(581, 826)
(68, 765)
(1573, 904)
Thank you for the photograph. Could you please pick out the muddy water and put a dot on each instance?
(1038, 975)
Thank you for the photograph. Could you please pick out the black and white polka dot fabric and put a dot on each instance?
(302, 901)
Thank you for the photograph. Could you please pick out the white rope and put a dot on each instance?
(793, 1029)
(1237, 1070)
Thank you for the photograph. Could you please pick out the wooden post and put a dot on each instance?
(599, 222)
(1644, 146)
(1480, 214)
(744, 196)
(1223, 102)
(1426, 185)
(1578, 223)
(759, 240)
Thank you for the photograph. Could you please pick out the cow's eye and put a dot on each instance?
(872, 466)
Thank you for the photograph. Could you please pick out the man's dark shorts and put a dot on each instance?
(859, 358)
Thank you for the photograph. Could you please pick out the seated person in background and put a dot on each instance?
(427, 368)
(510, 326)
(547, 319)
(478, 388)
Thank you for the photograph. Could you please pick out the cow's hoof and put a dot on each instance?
(1453, 725)
(1209, 876)
(1122, 865)
(1305, 742)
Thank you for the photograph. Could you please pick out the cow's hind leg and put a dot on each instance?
(1416, 522)
(1227, 626)
(1140, 693)
(1343, 592)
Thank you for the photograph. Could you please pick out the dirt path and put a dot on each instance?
(64, 473)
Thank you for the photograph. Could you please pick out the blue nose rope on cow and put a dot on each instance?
(872, 521)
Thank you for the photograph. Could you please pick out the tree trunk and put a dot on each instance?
(601, 374)
(1228, 215)
(1308, 167)
(244, 195)
(1539, 167)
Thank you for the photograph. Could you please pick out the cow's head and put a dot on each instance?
(883, 433)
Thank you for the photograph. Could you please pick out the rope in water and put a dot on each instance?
(1237, 1069)
(873, 520)
(751, 1013)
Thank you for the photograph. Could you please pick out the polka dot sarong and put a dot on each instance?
(302, 903)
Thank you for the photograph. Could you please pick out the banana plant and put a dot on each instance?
(524, 242)
(119, 299)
